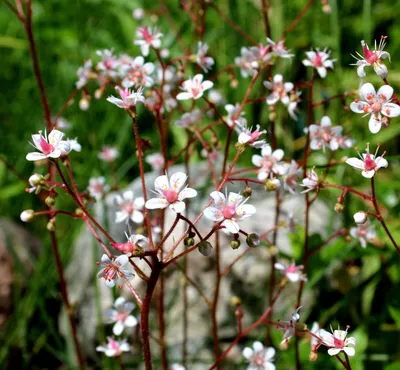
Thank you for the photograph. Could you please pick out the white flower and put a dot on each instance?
(319, 60)
(369, 163)
(364, 232)
(311, 181)
(315, 342)
(84, 73)
(109, 62)
(114, 347)
(338, 342)
(360, 217)
(28, 215)
(137, 73)
(291, 176)
(214, 96)
(34, 181)
(202, 59)
(247, 62)
(290, 326)
(279, 90)
(108, 154)
(121, 316)
(230, 210)
(50, 146)
(129, 98)
(233, 115)
(171, 193)
(156, 161)
(74, 145)
(293, 273)
(294, 101)
(177, 367)
(268, 161)
(194, 88)
(372, 58)
(259, 358)
(279, 49)
(375, 104)
(250, 137)
(97, 187)
(138, 14)
(148, 38)
(189, 119)
(135, 245)
(130, 207)
(113, 270)
(324, 134)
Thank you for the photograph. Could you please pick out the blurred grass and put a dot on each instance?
(69, 32)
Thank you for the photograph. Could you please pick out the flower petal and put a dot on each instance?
(177, 181)
(375, 123)
(231, 226)
(157, 203)
(367, 90)
(385, 92)
(356, 163)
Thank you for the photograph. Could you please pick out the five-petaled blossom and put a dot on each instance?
(369, 163)
(121, 316)
(128, 98)
(279, 49)
(156, 161)
(108, 154)
(202, 59)
(338, 342)
(194, 88)
(311, 182)
(323, 134)
(171, 193)
(97, 187)
(279, 90)
(289, 326)
(130, 207)
(234, 116)
(114, 269)
(148, 38)
(229, 210)
(364, 232)
(268, 161)
(376, 104)
(249, 136)
(50, 146)
(319, 60)
(114, 348)
(292, 272)
(372, 58)
(292, 174)
(259, 357)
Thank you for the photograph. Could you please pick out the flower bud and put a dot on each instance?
(247, 191)
(98, 93)
(313, 356)
(84, 104)
(254, 65)
(49, 201)
(27, 215)
(234, 83)
(235, 301)
(272, 184)
(138, 14)
(284, 346)
(272, 116)
(164, 53)
(51, 225)
(205, 248)
(79, 211)
(253, 240)
(360, 217)
(189, 242)
(339, 207)
(35, 179)
(235, 244)
(385, 121)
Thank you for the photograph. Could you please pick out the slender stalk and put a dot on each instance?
(214, 307)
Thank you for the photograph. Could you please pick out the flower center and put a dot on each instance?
(110, 271)
(369, 163)
(195, 91)
(228, 212)
(129, 207)
(46, 147)
(170, 195)
(318, 60)
(370, 56)
(376, 106)
(121, 316)
(292, 269)
(338, 343)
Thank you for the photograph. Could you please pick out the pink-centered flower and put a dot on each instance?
(202, 59)
(234, 115)
(269, 161)
(372, 58)
(135, 245)
(129, 98)
(368, 163)
(130, 208)
(114, 348)
(292, 272)
(290, 177)
(171, 193)
(311, 182)
(121, 316)
(112, 270)
(337, 342)
(319, 60)
(365, 233)
(279, 90)
(229, 210)
(98, 187)
(83, 74)
(138, 73)
(156, 161)
(375, 104)
(51, 146)
(289, 326)
(194, 88)
(108, 60)
(108, 154)
(189, 120)
(249, 136)
(147, 38)
(279, 49)
(259, 357)
(323, 134)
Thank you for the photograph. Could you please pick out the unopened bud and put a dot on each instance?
(84, 104)
(138, 14)
(253, 240)
(189, 242)
(235, 244)
(327, 10)
(79, 212)
(205, 248)
(347, 238)
(51, 225)
(254, 65)
(49, 201)
(272, 184)
(164, 53)
(98, 93)
(339, 207)
(27, 215)
(35, 179)
(235, 301)
(385, 121)
(284, 346)
(247, 191)
(313, 356)
(272, 116)
(234, 83)
(360, 217)
(273, 250)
